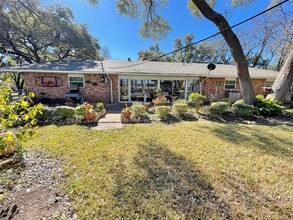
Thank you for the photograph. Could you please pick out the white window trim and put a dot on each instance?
(230, 79)
(271, 81)
(76, 75)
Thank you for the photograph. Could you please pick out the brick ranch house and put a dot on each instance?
(125, 81)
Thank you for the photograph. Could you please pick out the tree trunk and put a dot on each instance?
(235, 47)
(284, 81)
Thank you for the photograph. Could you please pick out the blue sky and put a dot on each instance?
(120, 33)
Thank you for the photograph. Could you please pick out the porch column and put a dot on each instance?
(185, 92)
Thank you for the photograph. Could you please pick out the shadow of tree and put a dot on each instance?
(271, 144)
(167, 187)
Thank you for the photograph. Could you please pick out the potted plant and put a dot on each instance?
(89, 113)
(126, 112)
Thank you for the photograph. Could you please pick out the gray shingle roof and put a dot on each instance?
(139, 68)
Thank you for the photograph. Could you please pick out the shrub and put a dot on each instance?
(289, 113)
(219, 108)
(180, 101)
(163, 111)
(137, 103)
(180, 108)
(99, 106)
(64, 111)
(243, 110)
(80, 110)
(17, 121)
(47, 113)
(267, 106)
(197, 98)
(138, 110)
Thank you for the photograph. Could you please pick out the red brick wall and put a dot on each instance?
(93, 90)
(50, 92)
(209, 87)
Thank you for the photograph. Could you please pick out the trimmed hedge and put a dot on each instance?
(47, 113)
(219, 108)
(163, 111)
(180, 108)
(243, 110)
(138, 110)
(64, 112)
(80, 110)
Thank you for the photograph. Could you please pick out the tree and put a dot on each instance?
(155, 26)
(284, 81)
(151, 53)
(31, 33)
(233, 43)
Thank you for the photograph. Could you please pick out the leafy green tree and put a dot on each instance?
(155, 26)
(152, 52)
(17, 120)
(31, 33)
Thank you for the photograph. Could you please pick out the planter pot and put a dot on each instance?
(7, 152)
(126, 114)
(90, 115)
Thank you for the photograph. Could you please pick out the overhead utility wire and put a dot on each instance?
(204, 39)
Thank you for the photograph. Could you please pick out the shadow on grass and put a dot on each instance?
(167, 187)
(271, 144)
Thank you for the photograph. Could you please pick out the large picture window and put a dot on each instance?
(76, 81)
(269, 84)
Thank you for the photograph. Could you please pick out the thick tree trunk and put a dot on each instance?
(284, 81)
(235, 47)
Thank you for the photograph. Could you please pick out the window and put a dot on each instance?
(269, 84)
(76, 81)
(230, 84)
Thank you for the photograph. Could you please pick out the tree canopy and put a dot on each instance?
(31, 32)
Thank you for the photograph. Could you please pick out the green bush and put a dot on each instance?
(289, 113)
(80, 110)
(47, 113)
(219, 108)
(197, 98)
(64, 112)
(180, 108)
(163, 111)
(243, 110)
(137, 103)
(267, 107)
(99, 107)
(180, 101)
(138, 110)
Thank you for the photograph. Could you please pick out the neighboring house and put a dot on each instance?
(124, 81)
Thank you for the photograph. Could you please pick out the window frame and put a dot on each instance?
(76, 75)
(270, 82)
(225, 84)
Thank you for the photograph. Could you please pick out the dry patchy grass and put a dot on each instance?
(190, 170)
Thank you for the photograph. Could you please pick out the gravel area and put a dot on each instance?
(37, 194)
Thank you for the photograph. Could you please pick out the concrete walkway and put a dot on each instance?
(109, 121)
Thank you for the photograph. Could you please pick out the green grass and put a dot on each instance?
(190, 170)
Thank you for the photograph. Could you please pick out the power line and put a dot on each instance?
(204, 39)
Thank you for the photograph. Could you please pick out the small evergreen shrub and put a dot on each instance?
(64, 112)
(180, 108)
(80, 110)
(219, 108)
(267, 107)
(99, 107)
(163, 111)
(243, 110)
(289, 113)
(138, 110)
(197, 98)
(47, 113)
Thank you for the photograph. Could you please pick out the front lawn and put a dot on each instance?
(190, 170)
